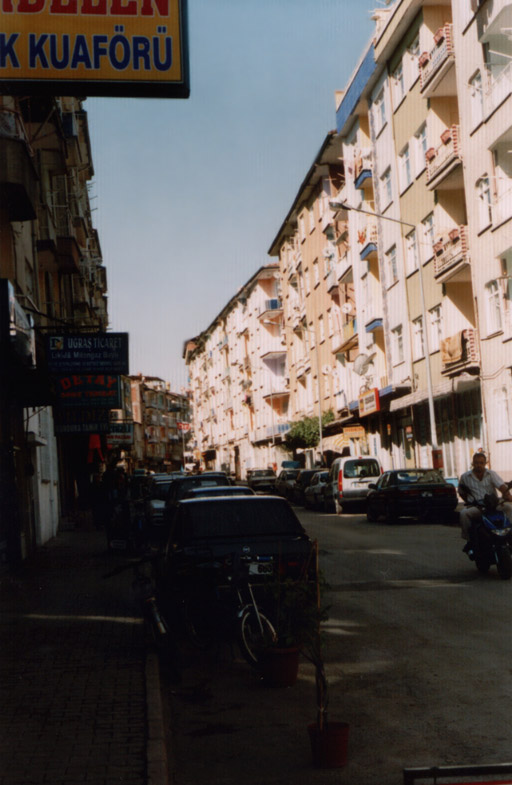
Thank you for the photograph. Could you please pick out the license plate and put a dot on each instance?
(427, 494)
(259, 568)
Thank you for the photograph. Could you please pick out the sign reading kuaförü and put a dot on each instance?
(88, 353)
(95, 47)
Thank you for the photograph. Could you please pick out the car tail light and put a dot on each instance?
(340, 483)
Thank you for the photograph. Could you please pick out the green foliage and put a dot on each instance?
(304, 433)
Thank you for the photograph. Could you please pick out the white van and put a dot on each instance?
(348, 482)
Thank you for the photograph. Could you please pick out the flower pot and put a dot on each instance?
(454, 235)
(446, 136)
(329, 745)
(280, 667)
(439, 36)
(423, 59)
(430, 154)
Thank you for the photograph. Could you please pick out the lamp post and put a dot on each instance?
(430, 393)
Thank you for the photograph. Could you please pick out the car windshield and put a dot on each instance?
(291, 474)
(201, 481)
(262, 473)
(238, 518)
(160, 490)
(362, 467)
(220, 490)
(418, 475)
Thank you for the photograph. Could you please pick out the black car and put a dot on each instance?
(181, 485)
(314, 492)
(285, 482)
(418, 493)
(302, 480)
(262, 532)
(262, 480)
(218, 490)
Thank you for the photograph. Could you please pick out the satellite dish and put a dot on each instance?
(362, 363)
(346, 307)
(326, 369)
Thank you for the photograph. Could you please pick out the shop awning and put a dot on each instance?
(457, 385)
(336, 443)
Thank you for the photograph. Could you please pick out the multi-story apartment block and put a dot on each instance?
(396, 256)
(239, 379)
(54, 279)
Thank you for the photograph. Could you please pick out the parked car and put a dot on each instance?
(218, 490)
(420, 493)
(285, 482)
(263, 532)
(302, 481)
(156, 490)
(349, 477)
(314, 492)
(262, 480)
(180, 485)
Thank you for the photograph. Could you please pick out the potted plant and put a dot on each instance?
(423, 59)
(439, 36)
(446, 136)
(430, 154)
(454, 234)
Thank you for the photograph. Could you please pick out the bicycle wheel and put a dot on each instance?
(254, 636)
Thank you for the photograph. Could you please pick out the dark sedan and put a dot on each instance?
(263, 532)
(418, 493)
(262, 480)
(302, 481)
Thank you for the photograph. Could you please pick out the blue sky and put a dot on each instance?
(189, 194)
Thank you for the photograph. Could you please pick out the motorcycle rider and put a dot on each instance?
(479, 481)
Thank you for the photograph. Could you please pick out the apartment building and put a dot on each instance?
(52, 277)
(239, 380)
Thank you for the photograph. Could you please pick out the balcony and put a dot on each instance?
(346, 338)
(451, 256)
(226, 373)
(275, 347)
(302, 366)
(273, 307)
(363, 170)
(278, 429)
(332, 280)
(502, 207)
(344, 270)
(437, 77)
(444, 168)
(367, 240)
(18, 177)
(460, 352)
(499, 86)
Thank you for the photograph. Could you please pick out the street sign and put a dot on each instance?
(88, 353)
(91, 390)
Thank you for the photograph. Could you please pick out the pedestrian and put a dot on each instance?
(476, 484)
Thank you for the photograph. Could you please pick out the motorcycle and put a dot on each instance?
(491, 541)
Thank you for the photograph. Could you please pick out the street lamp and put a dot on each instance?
(337, 206)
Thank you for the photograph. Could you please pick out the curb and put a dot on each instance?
(156, 752)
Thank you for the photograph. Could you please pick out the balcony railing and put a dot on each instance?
(451, 253)
(442, 159)
(499, 85)
(460, 352)
(349, 330)
(367, 238)
(275, 305)
(435, 64)
(502, 207)
(363, 168)
(332, 280)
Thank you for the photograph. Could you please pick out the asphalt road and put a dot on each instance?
(418, 658)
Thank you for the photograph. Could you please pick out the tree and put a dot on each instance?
(304, 433)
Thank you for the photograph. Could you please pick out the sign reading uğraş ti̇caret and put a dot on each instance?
(88, 353)
(95, 47)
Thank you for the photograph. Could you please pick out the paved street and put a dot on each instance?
(418, 661)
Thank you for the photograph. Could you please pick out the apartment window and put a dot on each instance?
(413, 256)
(420, 143)
(391, 266)
(435, 328)
(302, 228)
(476, 97)
(493, 307)
(380, 112)
(316, 273)
(428, 236)
(418, 338)
(321, 329)
(502, 413)
(405, 168)
(397, 345)
(483, 191)
(386, 187)
(414, 54)
(398, 84)
(330, 323)
(311, 213)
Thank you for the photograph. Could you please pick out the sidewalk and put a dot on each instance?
(80, 699)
